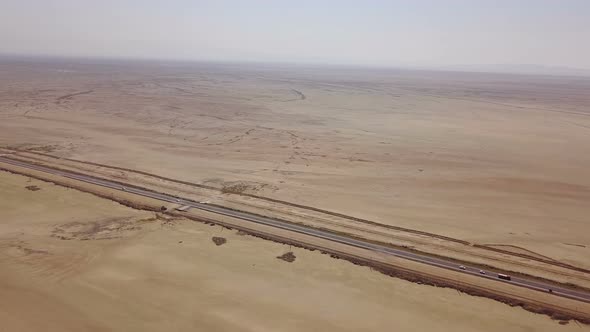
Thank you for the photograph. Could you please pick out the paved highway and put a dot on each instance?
(425, 259)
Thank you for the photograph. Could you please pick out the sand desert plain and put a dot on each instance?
(498, 161)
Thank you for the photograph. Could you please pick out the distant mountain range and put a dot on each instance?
(518, 69)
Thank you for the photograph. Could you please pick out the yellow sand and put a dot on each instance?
(124, 270)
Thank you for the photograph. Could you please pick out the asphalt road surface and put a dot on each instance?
(425, 259)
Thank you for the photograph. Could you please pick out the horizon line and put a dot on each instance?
(463, 68)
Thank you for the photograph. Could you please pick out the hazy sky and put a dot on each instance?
(367, 32)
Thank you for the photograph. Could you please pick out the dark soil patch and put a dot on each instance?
(33, 188)
(237, 188)
(288, 257)
(219, 240)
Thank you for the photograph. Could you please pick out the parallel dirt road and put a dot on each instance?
(331, 237)
(505, 259)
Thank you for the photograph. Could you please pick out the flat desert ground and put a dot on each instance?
(120, 269)
(488, 158)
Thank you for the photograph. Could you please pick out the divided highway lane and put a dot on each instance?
(285, 225)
